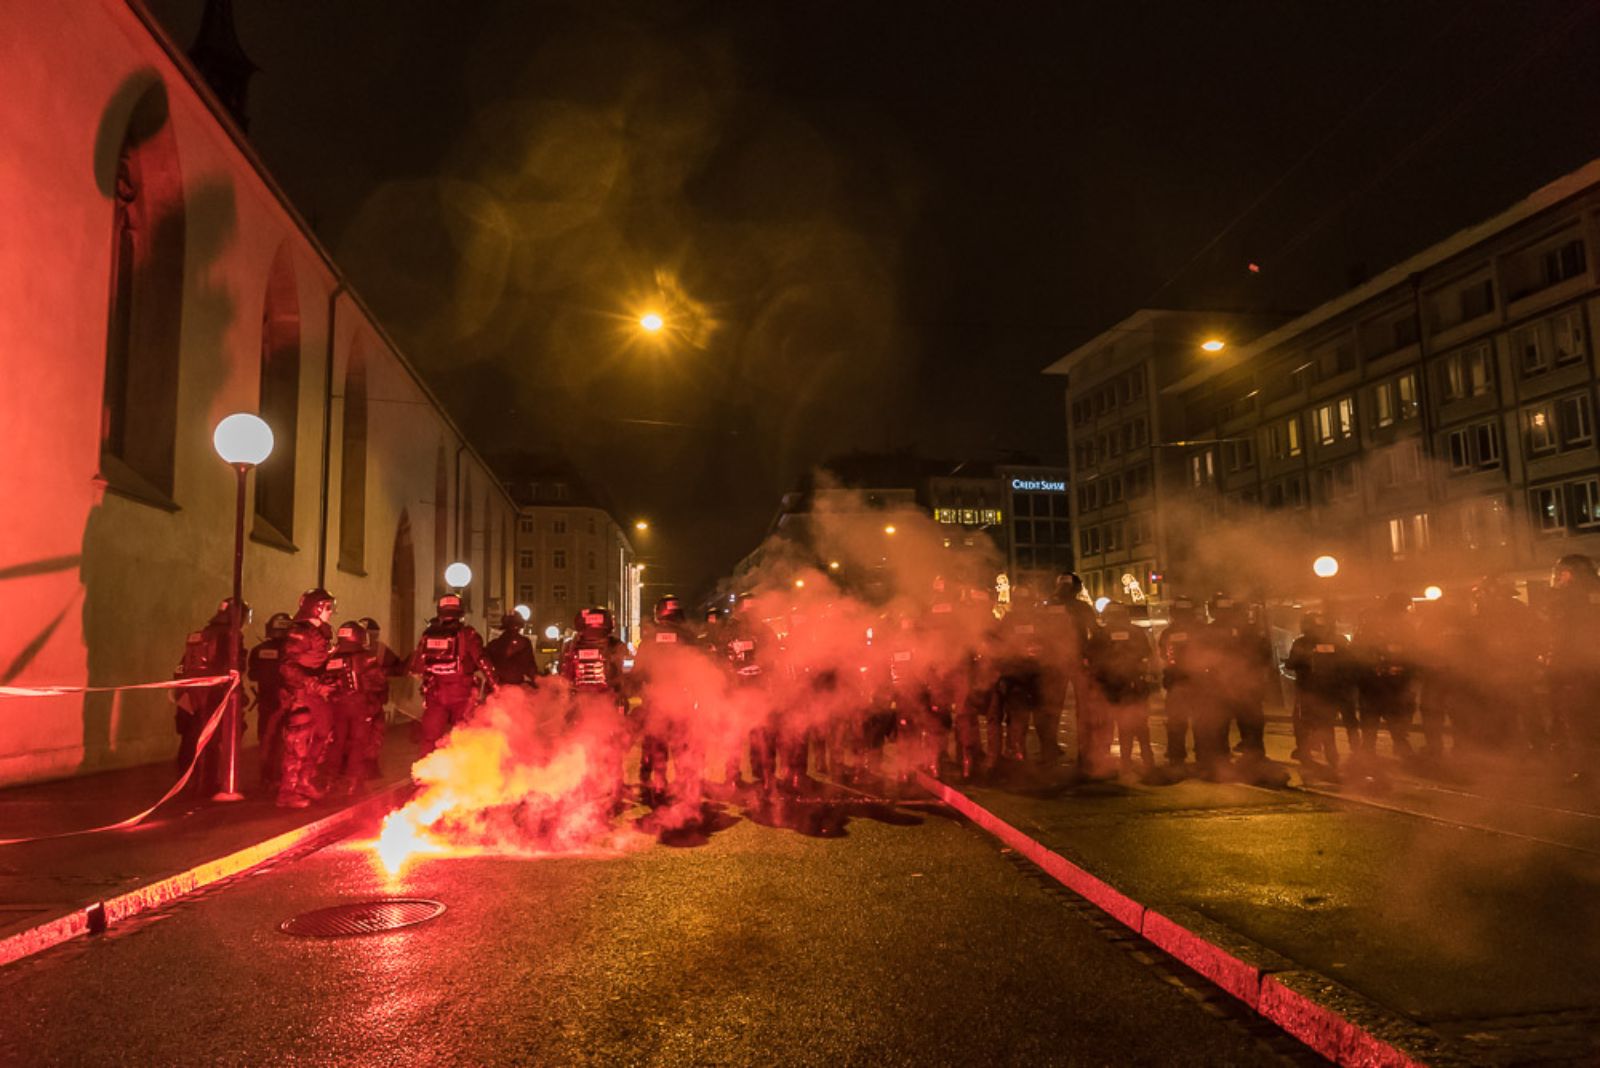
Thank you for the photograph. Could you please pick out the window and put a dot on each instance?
(139, 402)
(1240, 455)
(558, 525)
(1111, 489)
(558, 559)
(1573, 421)
(558, 491)
(1560, 263)
(1467, 373)
(1476, 299)
(1485, 523)
(591, 524)
(1337, 421)
(1334, 359)
(1402, 464)
(1475, 448)
(1337, 481)
(1202, 469)
(280, 395)
(1548, 514)
(1408, 534)
(1383, 413)
(558, 593)
(1406, 391)
(524, 592)
(1140, 529)
(1283, 439)
(592, 560)
(525, 558)
(1585, 500)
(525, 525)
(1113, 537)
(1136, 383)
(1566, 336)
(1527, 346)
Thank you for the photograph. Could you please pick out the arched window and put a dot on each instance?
(280, 400)
(138, 424)
(353, 467)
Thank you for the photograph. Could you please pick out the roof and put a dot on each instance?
(1541, 199)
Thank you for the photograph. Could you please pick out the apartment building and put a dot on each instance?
(1124, 435)
(1433, 425)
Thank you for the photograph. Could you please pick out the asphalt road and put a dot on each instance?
(876, 936)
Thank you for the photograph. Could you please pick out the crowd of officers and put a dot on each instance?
(957, 682)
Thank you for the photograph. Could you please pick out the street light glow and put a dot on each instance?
(1325, 566)
(458, 576)
(1432, 593)
(1215, 344)
(552, 632)
(889, 529)
(833, 565)
(641, 525)
(243, 438)
(799, 584)
(1100, 603)
(524, 611)
(651, 322)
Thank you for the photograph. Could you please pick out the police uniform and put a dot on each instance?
(449, 658)
(308, 718)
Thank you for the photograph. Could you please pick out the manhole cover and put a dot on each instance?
(362, 917)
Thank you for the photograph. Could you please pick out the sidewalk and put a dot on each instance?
(54, 889)
(1465, 908)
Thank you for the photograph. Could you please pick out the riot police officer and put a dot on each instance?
(263, 668)
(1320, 663)
(1184, 681)
(1572, 661)
(308, 719)
(749, 650)
(1119, 667)
(511, 654)
(1385, 669)
(1020, 687)
(1093, 737)
(205, 653)
(390, 665)
(449, 658)
(661, 680)
(591, 659)
(350, 674)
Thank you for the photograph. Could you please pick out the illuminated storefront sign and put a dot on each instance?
(1038, 484)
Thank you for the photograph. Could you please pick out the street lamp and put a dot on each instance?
(651, 322)
(458, 576)
(1325, 566)
(243, 440)
(641, 525)
(524, 611)
(1214, 344)
(1432, 593)
(889, 529)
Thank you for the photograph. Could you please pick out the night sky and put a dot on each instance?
(869, 223)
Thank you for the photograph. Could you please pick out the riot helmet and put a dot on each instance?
(1571, 570)
(278, 624)
(315, 602)
(449, 606)
(511, 623)
(669, 609)
(593, 622)
(353, 633)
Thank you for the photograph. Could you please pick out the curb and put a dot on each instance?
(95, 918)
(1310, 1007)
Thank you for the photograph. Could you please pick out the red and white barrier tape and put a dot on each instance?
(56, 691)
(183, 780)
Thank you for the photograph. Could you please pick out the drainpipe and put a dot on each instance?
(327, 438)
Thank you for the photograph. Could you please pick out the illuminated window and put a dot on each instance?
(1567, 334)
(1585, 499)
(1548, 514)
(1409, 534)
(1406, 390)
(1383, 404)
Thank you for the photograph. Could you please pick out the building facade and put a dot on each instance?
(1124, 442)
(1429, 427)
(157, 279)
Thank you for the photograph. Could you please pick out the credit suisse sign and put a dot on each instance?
(1038, 484)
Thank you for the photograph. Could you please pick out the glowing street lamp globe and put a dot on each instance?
(524, 611)
(1215, 344)
(243, 438)
(651, 322)
(458, 576)
(1100, 603)
(1325, 566)
(552, 632)
(1432, 593)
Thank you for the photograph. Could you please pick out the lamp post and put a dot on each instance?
(242, 440)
